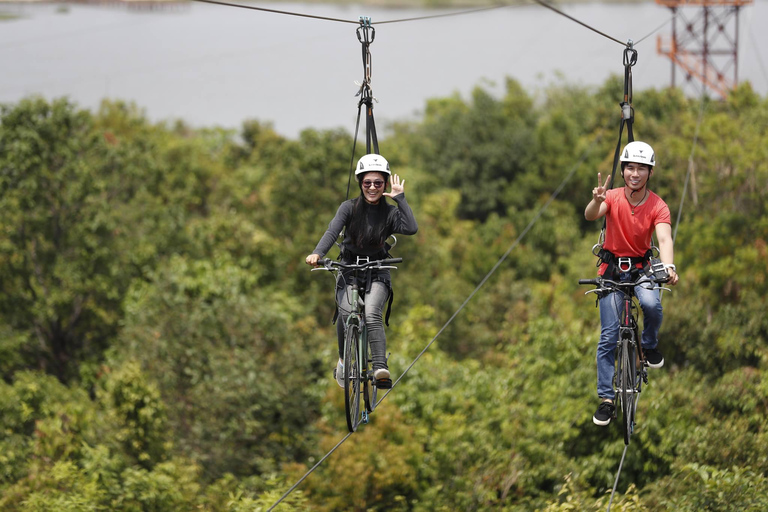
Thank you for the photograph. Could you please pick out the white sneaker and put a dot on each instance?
(381, 379)
(339, 374)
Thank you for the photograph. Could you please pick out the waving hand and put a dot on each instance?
(397, 186)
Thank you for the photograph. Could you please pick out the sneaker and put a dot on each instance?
(653, 357)
(604, 413)
(338, 373)
(382, 378)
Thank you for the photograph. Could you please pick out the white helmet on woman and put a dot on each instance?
(639, 153)
(372, 163)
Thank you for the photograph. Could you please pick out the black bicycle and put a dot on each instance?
(629, 376)
(358, 363)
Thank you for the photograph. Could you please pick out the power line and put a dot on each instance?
(294, 486)
(656, 29)
(501, 260)
(471, 11)
(402, 20)
(690, 165)
(355, 22)
(759, 57)
(275, 11)
(561, 13)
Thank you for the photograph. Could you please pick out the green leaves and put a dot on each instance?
(164, 347)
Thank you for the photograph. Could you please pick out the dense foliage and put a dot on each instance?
(163, 346)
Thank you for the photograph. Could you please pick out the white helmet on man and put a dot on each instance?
(372, 163)
(639, 153)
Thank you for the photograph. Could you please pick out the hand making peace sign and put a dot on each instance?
(397, 186)
(599, 192)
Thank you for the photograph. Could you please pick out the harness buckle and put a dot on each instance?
(624, 262)
(362, 260)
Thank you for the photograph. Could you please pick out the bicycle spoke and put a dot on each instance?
(351, 378)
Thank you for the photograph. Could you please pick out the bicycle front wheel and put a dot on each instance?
(370, 391)
(627, 387)
(352, 377)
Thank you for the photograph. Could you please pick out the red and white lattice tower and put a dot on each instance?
(704, 42)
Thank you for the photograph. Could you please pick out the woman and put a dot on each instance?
(369, 220)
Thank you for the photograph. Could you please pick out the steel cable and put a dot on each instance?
(517, 241)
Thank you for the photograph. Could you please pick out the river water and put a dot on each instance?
(212, 65)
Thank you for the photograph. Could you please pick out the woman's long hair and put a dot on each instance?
(363, 235)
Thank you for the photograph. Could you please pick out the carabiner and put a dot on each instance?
(630, 54)
(365, 24)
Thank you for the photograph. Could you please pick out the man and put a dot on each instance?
(633, 213)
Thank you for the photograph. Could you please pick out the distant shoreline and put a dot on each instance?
(400, 4)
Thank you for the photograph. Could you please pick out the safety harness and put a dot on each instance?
(366, 35)
(616, 264)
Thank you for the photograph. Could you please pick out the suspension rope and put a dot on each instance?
(294, 486)
(561, 13)
(688, 173)
(627, 119)
(433, 16)
(365, 34)
(690, 165)
(339, 20)
(530, 225)
(618, 473)
(656, 29)
(275, 11)
(419, 18)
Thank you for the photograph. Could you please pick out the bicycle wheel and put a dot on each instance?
(370, 391)
(352, 378)
(627, 387)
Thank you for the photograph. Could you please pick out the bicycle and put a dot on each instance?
(628, 378)
(358, 362)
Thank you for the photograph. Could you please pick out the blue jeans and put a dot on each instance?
(610, 318)
(374, 307)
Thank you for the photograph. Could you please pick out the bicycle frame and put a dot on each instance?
(627, 378)
(358, 370)
(357, 317)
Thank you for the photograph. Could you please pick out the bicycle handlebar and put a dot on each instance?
(608, 284)
(328, 263)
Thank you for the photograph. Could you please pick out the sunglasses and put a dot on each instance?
(375, 184)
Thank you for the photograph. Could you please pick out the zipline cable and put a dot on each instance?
(366, 35)
(689, 172)
(433, 16)
(339, 20)
(655, 30)
(690, 165)
(275, 11)
(561, 13)
(530, 225)
(618, 473)
(674, 236)
(627, 119)
(294, 486)
(419, 18)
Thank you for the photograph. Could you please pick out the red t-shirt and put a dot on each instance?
(627, 234)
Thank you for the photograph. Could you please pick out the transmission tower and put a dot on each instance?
(704, 42)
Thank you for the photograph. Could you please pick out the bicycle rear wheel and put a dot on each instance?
(352, 377)
(627, 387)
